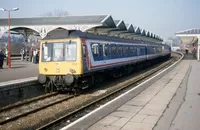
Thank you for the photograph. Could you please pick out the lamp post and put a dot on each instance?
(14, 9)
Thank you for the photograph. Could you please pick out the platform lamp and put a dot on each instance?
(14, 9)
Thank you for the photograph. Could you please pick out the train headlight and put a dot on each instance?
(42, 78)
(69, 79)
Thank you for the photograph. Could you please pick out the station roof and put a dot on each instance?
(189, 36)
(130, 28)
(93, 19)
(189, 31)
(98, 24)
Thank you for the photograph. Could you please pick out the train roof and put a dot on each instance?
(63, 34)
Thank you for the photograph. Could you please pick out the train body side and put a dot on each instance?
(95, 55)
(79, 61)
(106, 55)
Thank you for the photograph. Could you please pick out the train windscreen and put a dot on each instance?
(59, 51)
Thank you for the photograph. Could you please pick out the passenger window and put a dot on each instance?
(131, 51)
(120, 51)
(154, 50)
(142, 51)
(124, 51)
(113, 50)
(135, 51)
(100, 50)
(95, 49)
(105, 49)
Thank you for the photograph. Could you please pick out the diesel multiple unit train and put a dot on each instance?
(71, 60)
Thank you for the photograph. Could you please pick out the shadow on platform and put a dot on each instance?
(16, 67)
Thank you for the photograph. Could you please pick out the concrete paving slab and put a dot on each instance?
(159, 107)
(151, 91)
(102, 127)
(121, 122)
(168, 90)
(176, 80)
(122, 114)
(165, 121)
(127, 108)
(108, 120)
(158, 86)
(138, 126)
(136, 103)
(165, 95)
(143, 97)
(151, 119)
(162, 82)
(174, 84)
(160, 100)
(138, 118)
(150, 112)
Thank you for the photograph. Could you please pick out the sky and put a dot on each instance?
(162, 17)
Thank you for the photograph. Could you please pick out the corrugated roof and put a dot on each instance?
(143, 33)
(152, 35)
(130, 28)
(138, 31)
(147, 34)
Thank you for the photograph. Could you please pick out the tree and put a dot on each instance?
(56, 12)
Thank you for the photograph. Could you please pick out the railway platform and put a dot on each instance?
(19, 70)
(170, 103)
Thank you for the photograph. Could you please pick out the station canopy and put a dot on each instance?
(189, 36)
(189, 32)
(97, 24)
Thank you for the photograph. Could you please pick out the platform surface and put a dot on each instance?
(183, 112)
(19, 70)
(171, 103)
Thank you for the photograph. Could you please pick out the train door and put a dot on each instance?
(146, 52)
(85, 59)
(163, 50)
(101, 52)
(105, 52)
(138, 50)
(135, 52)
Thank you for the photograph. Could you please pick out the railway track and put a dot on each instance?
(118, 91)
(23, 108)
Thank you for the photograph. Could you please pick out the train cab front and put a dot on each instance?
(60, 64)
